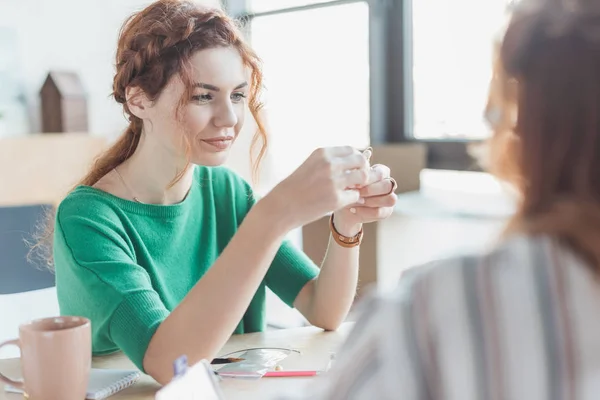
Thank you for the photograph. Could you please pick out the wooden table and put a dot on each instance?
(314, 345)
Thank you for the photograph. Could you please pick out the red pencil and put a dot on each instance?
(287, 374)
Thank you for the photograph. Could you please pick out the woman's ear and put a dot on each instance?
(137, 101)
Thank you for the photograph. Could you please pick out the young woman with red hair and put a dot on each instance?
(167, 252)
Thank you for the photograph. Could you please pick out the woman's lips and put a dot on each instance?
(220, 143)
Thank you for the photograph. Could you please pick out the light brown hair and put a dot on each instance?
(544, 107)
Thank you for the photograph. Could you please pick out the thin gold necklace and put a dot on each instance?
(126, 185)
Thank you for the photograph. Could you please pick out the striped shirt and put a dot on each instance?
(520, 322)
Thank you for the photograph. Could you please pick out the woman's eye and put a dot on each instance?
(238, 97)
(202, 98)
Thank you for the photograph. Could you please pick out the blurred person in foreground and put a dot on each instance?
(521, 321)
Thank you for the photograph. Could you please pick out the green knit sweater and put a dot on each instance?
(126, 265)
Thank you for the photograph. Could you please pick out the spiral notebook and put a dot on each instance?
(103, 382)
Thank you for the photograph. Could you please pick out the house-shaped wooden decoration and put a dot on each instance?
(64, 103)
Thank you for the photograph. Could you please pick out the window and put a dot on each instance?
(317, 80)
(316, 67)
(452, 58)
(376, 71)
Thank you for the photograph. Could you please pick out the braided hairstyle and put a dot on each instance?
(154, 45)
(544, 107)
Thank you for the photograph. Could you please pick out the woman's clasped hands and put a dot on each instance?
(339, 180)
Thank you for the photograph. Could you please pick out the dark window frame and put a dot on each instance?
(390, 55)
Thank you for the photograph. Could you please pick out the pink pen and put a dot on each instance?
(289, 374)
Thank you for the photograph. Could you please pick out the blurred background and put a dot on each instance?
(409, 78)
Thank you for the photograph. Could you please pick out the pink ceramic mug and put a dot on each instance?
(56, 358)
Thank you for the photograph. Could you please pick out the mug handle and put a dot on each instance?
(4, 378)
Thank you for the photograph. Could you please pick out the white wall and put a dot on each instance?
(74, 35)
(78, 35)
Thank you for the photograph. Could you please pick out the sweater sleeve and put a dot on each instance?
(290, 271)
(292, 268)
(98, 278)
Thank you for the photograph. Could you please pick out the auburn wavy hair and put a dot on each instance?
(155, 45)
(544, 107)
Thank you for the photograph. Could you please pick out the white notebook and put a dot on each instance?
(103, 382)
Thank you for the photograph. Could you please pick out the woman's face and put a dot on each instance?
(212, 118)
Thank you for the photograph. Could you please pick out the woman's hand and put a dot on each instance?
(328, 180)
(377, 201)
